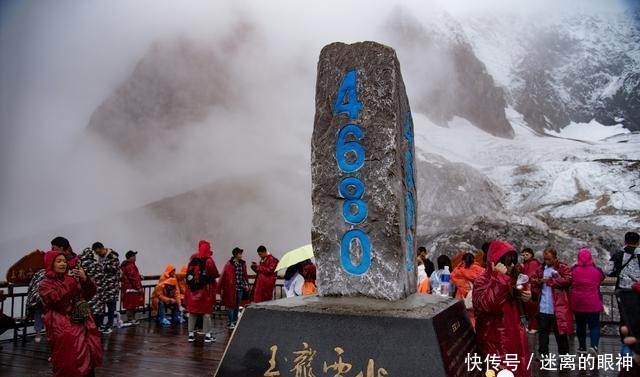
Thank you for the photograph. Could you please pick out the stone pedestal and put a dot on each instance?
(363, 187)
(361, 337)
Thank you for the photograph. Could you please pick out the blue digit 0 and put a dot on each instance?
(347, 98)
(345, 252)
(344, 147)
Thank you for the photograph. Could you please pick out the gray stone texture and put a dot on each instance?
(380, 89)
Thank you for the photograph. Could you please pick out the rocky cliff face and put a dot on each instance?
(444, 76)
(561, 68)
(176, 84)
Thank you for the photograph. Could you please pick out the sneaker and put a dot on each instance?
(106, 331)
(593, 350)
(532, 331)
(134, 322)
(38, 338)
(208, 338)
(165, 322)
(231, 326)
(192, 337)
(582, 350)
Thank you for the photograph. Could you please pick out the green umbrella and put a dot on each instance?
(294, 256)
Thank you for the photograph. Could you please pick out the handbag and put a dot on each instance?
(468, 299)
(80, 311)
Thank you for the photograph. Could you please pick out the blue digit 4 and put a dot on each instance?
(347, 98)
(345, 252)
(344, 147)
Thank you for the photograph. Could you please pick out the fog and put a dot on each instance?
(59, 62)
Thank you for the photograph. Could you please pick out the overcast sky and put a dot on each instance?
(60, 60)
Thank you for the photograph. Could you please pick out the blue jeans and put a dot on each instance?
(175, 312)
(38, 325)
(232, 313)
(584, 319)
(111, 310)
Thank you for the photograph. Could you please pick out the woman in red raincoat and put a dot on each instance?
(75, 347)
(200, 302)
(232, 285)
(529, 267)
(499, 330)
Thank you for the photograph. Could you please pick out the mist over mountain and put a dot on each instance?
(204, 131)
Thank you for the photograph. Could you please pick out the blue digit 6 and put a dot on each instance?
(343, 147)
(345, 252)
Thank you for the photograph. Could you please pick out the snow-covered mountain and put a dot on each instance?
(533, 190)
(564, 67)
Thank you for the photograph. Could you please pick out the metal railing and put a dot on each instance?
(13, 302)
(15, 297)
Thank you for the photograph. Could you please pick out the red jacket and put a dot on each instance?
(499, 330)
(265, 279)
(560, 290)
(585, 288)
(203, 300)
(227, 284)
(75, 348)
(130, 279)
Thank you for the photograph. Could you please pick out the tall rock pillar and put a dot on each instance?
(363, 190)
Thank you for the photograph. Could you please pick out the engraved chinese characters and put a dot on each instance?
(362, 171)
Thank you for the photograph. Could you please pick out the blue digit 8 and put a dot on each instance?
(408, 216)
(408, 169)
(352, 189)
(351, 184)
(343, 147)
(345, 252)
(410, 259)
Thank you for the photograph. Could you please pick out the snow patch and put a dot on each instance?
(592, 131)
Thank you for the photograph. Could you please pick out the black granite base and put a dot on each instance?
(361, 337)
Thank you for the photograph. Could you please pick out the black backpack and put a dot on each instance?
(196, 274)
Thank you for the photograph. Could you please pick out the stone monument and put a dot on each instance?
(363, 185)
(366, 320)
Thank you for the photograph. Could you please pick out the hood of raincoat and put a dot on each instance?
(584, 257)
(49, 258)
(497, 249)
(167, 270)
(204, 249)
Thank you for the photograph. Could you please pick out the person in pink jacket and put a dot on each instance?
(586, 300)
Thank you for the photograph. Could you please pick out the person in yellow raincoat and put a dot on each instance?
(167, 297)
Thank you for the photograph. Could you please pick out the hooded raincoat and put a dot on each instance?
(203, 300)
(75, 347)
(585, 289)
(529, 268)
(166, 291)
(499, 330)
